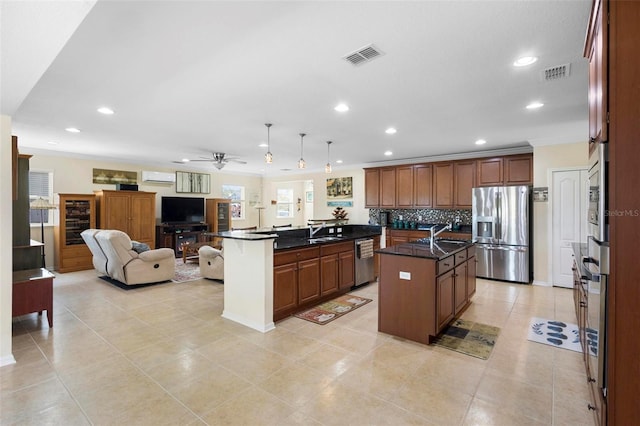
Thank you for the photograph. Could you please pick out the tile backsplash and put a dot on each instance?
(422, 216)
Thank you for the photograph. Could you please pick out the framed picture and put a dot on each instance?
(340, 188)
(309, 196)
(194, 183)
(114, 176)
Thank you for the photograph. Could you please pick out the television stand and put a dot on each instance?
(176, 235)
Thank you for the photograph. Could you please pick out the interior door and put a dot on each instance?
(568, 216)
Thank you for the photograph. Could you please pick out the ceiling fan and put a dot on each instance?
(219, 159)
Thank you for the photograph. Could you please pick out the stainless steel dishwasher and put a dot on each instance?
(364, 261)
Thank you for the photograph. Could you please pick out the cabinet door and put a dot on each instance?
(460, 292)
(404, 186)
(346, 270)
(376, 256)
(489, 172)
(445, 299)
(443, 185)
(115, 212)
(388, 187)
(471, 277)
(285, 288)
(597, 80)
(143, 218)
(518, 170)
(308, 280)
(463, 182)
(422, 185)
(372, 188)
(328, 274)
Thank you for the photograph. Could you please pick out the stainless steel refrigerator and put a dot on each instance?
(502, 232)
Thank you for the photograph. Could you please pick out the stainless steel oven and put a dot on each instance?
(597, 215)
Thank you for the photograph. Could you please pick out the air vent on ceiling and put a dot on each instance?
(556, 73)
(362, 55)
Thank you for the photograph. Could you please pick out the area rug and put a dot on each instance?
(561, 335)
(186, 271)
(468, 337)
(328, 311)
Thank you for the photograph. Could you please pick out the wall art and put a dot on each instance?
(106, 176)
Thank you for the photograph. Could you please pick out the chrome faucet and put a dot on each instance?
(313, 231)
(433, 234)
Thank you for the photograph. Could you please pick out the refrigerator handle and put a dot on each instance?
(498, 231)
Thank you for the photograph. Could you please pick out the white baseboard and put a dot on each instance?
(7, 360)
(542, 283)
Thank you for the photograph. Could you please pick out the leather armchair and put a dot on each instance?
(211, 263)
(129, 267)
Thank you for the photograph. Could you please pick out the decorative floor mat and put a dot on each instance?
(186, 271)
(561, 335)
(468, 337)
(328, 311)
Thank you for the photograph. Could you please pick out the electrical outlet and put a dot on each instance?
(331, 230)
(419, 218)
(400, 217)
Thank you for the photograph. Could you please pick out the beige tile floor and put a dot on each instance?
(163, 355)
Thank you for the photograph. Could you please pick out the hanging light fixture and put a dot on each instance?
(301, 163)
(268, 157)
(327, 167)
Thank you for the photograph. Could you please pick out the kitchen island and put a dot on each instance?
(422, 288)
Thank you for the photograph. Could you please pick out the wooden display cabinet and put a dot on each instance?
(77, 213)
(132, 212)
(218, 216)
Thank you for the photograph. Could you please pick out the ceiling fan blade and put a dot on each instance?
(237, 161)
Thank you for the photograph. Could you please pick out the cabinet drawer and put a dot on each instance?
(328, 249)
(460, 257)
(295, 255)
(445, 264)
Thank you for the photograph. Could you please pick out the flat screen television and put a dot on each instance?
(182, 210)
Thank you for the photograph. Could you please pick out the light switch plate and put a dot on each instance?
(405, 275)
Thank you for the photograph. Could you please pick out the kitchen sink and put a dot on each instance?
(448, 241)
(323, 239)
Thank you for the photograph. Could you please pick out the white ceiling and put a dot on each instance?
(189, 78)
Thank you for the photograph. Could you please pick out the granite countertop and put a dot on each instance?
(442, 249)
(298, 237)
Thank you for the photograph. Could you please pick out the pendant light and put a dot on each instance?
(301, 163)
(327, 168)
(268, 157)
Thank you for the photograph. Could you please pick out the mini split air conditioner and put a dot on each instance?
(158, 177)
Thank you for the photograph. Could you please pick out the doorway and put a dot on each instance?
(568, 221)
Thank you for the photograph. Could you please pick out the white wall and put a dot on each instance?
(6, 238)
(545, 158)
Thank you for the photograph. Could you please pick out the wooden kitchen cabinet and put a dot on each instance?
(596, 52)
(461, 295)
(422, 186)
(471, 271)
(388, 187)
(341, 274)
(464, 177)
(133, 212)
(296, 280)
(329, 274)
(347, 277)
(445, 309)
(518, 170)
(443, 185)
(285, 289)
(77, 213)
(489, 172)
(404, 187)
(308, 280)
(372, 188)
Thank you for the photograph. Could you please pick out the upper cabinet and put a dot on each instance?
(446, 184)
(597, 95)
(509, 170)
(371, 188)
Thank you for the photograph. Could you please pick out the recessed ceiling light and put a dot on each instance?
(263, 145)
(342, 108)
(388, 153)
(524, 61)
(52, 143)
(480, 142)
(535, 105)
(72, 130)
(105, 111)
(185, 160)
(390, 131)
(339, 161)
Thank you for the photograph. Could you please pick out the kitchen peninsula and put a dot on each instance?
(422, 287)
(271, 274)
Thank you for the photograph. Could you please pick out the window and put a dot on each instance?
(284, 207)
(236, 194)
(40, 185)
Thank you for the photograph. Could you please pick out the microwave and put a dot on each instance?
(597, 214)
